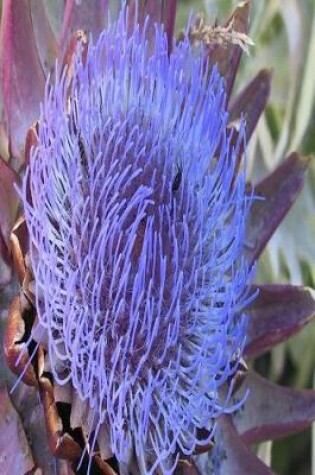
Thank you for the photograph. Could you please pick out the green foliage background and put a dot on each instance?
(284, 37)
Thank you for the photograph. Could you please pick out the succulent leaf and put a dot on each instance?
(186, 467)
(31, 140)
(46, 41)
(5, 263)
(9, 202)
(239, 458)
(90, 16)
(278, 312)
(22, 76)
(158, 11)
(14, 342)
(228, 59)
(272, 411)
(231, 456)
(9, 199)
(251, 101)
(61, 443)
(16, 456)
(275, 196)
(27, 402)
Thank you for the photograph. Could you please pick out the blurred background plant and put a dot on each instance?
(284, 37)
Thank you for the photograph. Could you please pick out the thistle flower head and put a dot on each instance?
(136, 213)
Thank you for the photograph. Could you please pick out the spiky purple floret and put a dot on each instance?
(137, 218)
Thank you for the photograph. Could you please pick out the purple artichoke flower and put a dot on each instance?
(133, 260)
(136, 212)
